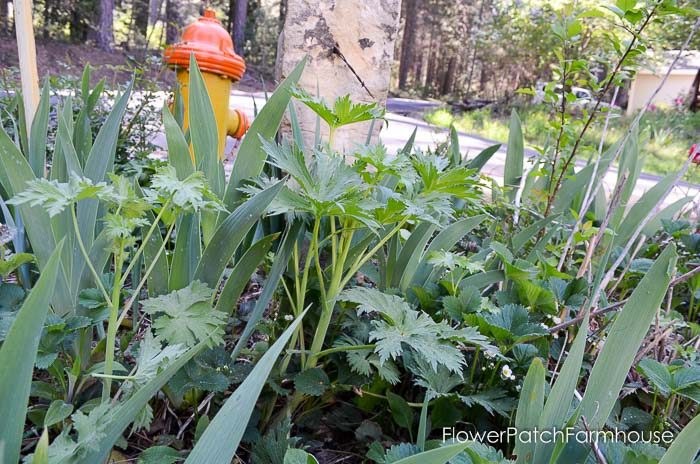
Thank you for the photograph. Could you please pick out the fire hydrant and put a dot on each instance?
(213, 49)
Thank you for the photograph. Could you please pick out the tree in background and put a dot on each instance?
(105, 31)
(238, 16)
(408, 41)
(172, 21)
(454, 49)
(488, 49)
(3, 16)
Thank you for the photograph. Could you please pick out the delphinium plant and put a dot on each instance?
(131, 285)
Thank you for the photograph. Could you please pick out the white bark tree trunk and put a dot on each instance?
(350, 44)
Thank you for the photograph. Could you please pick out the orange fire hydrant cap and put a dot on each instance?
(212, 47)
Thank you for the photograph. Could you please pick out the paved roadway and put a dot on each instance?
(400, 127)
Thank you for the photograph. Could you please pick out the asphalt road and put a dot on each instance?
(400, 128)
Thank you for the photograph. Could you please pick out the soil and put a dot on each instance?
(67, 60)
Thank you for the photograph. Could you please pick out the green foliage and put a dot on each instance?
(54, 196)
(159, 455)
(151, 360)
(297, 456)
(190, 194)
(312, 382)
(343, 111)
(220, 440)
(328, 187)
(402, 325)
(57, 412)
(17, 355)
(212, 371)
(10, 264)
(89, 428)
(186, 317)
(672, 380)
(461, 303)
(530, 409)
(511, 324)
(275, 445)
(400, 411)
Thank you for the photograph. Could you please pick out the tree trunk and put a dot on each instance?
(140, 15)
(350, 46)
(432, 64)
(47, 18)
(230, 15)
(448, 82)
(441, 67)
(418, 71)
(3, 17)
(695, 93)
(408, 41)
(154, 8)
(105, 33)
(483, 80)
(474, 31)
(240, 17)
(172, 19)
(282, 15)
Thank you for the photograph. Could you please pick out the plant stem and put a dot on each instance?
(377, 395)
(334, 242)
(474, 363)
(361, 261)
(301, 292)
(669, 407)
(610, 79)
(335, 287)
(330, 293)
(299, 336)
(88, 261)
(331, 136)
(145, 240)
(340, 349)
(691, 306)
(112, 326)
(145, 276)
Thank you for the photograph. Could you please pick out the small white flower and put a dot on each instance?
(483, 368)
(555, 335)
(518, 388)
(556, 319)
(512, 377)
(288, 317)
(506, 373)
(544, 326)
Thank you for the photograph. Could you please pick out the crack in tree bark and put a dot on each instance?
(336, 51)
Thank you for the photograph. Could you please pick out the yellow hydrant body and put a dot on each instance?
(213, 49)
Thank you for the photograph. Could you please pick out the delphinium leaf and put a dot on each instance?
(190, 194)
(186, 316)
(312, 382)
(343, 112)
(400, 325)
(56, 196)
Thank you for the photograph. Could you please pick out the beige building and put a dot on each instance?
(678, 85)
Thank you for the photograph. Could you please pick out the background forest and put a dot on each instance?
(447, 49)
